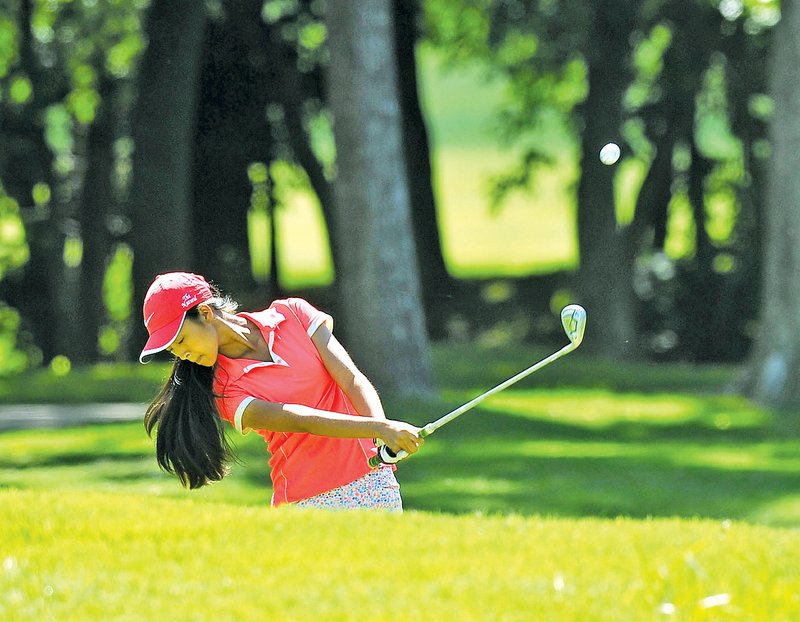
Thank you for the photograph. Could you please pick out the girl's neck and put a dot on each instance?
(240, 338)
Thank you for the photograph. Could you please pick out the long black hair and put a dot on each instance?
(191, 441)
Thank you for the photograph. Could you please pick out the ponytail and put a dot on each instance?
(191, 441)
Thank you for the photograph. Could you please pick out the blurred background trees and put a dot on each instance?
(378, 277)
(771, 373)
(141, 137)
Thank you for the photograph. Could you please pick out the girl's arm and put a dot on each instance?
(343, 370)
(262, 415)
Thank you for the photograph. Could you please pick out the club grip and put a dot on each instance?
(386, 456)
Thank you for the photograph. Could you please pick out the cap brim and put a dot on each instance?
(161, 339)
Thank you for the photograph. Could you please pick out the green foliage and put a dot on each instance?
(302, 23)
(516, 65)
(648, 61)
(74, 47)
(714, 135)
(118, 299)
(58, 131)
(12, 360)
(13, 255)
(8, 44)
(760, 14)
(90, 38)
(541, 52)
(13, 243)
(20, 89)
(117, 290)
(534, 232)
(544, 76)
(461, 29)
(82, 102)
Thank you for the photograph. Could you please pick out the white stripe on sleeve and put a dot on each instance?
(237, 417)
(322, 318)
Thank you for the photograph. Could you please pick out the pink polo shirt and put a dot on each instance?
(302, 465)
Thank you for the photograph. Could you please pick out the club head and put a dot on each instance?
(573, 319)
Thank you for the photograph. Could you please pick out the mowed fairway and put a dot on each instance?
(89, 556)
(593, 492)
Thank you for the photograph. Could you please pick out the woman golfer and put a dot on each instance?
(279, 372)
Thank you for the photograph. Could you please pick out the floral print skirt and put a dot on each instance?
(377, 490)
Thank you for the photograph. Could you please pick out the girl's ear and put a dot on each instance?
(206, 312)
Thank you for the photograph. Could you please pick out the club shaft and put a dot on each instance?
(435, 425)
(431, 427)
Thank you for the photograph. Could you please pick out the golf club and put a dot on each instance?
(573, 319)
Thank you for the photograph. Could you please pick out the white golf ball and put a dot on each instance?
(609, 154)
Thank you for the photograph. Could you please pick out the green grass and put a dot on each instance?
(579, 438)
(94, 556)
(106, 382)
(568, 453)
(588, 492)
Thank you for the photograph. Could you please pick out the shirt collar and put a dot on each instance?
(267, 320)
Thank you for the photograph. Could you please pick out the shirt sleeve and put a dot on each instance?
(231, 407)
(310, 317)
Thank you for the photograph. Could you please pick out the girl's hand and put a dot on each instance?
(401, 436)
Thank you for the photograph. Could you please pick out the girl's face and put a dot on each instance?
(196, 342)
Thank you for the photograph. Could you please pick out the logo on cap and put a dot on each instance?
(188, 300)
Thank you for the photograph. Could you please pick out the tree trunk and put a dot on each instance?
(605, 277)
(163, 131)
(231, 133)
(26, 160)
(437, 285)
(97, 198)
(378, 280)
(772, 376)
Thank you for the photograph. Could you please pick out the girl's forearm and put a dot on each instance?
(398, 435)
(299, 418)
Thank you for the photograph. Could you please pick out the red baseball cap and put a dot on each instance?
(170, 296)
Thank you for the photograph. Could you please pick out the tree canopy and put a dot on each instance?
(140, 137)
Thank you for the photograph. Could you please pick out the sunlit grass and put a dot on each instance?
(579, 438)
(532, 232)
(472, 367)
(600, 408)
(575, 495)
(552, 452)
(534, 229)
(92, 556)
(303, 248)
